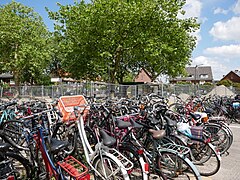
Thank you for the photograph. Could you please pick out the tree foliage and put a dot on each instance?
(226, 83)
(24, 39)
(111, 38)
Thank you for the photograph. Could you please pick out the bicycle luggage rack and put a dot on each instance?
(126, 162)
(175, 148)
(75, 168)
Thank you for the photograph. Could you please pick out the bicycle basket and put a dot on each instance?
(66, 106)
(75, 168)
(197, 131)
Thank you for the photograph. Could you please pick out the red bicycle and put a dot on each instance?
(46, 154)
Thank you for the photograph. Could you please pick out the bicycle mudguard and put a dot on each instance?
(215, 150)
(119, 162)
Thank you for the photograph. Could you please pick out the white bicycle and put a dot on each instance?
(107, 163)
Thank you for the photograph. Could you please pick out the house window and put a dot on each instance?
(203, 76)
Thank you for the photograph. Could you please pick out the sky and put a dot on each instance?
(218, 39)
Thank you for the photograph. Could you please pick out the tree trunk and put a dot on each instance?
(117, 60)
(16, 72)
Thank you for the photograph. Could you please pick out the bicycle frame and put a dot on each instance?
(123, 139)
(50, 167)
(100, 150)
(54, 170)
(7, 114)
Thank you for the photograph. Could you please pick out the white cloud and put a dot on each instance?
(228, 30)
(218, 69)
(220, 11)
(197, 35)
(236, 8)
(229, 51)
(192, 8)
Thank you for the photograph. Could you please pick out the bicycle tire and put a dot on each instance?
(205, 157)
(21, 166)
(177, 107)
(174, 166)
(69, 133)
(202, 155)
(219, 136)
(137, 172)
(109, 163)
(15, 134)
(165, 172)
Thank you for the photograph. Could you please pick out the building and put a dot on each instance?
(233, 76)
(6, 77)
(196, 75)
(143, 76)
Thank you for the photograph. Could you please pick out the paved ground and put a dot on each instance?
(230, 167)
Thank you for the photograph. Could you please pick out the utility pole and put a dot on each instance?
(195, 78)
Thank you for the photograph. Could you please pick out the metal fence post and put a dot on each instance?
(1, 91)
(162, 89)
(91, 89)
(42, 91)
(52, 91)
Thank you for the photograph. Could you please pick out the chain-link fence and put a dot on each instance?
(106, 90)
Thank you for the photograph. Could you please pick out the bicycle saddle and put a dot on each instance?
(195, 116)
(157, 134)
(170, 122)
(135, 124)
(57, 145)
(122, 124)
(107, 140)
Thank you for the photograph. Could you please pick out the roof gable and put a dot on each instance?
(143, 76)
(233, 76)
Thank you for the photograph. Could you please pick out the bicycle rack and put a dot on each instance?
(74, 168)
(182, 150)
(126, 162)
(51, 114)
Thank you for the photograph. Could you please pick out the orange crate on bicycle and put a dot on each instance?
(75, 168)
(66, 106)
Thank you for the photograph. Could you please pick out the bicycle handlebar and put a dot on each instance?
(35, 114)
(4, 106)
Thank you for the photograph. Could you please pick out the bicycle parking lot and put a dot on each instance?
(229, 164)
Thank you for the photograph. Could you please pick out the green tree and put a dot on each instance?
(226, 83)
(111, 38)
(24, 39)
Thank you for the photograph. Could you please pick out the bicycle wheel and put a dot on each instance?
(69, 133)
(205, 158)
(177, 107)
(219, 136)
(109, 169)
(137, 172)
(174, 166)
(20, 167)
(14, 132)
